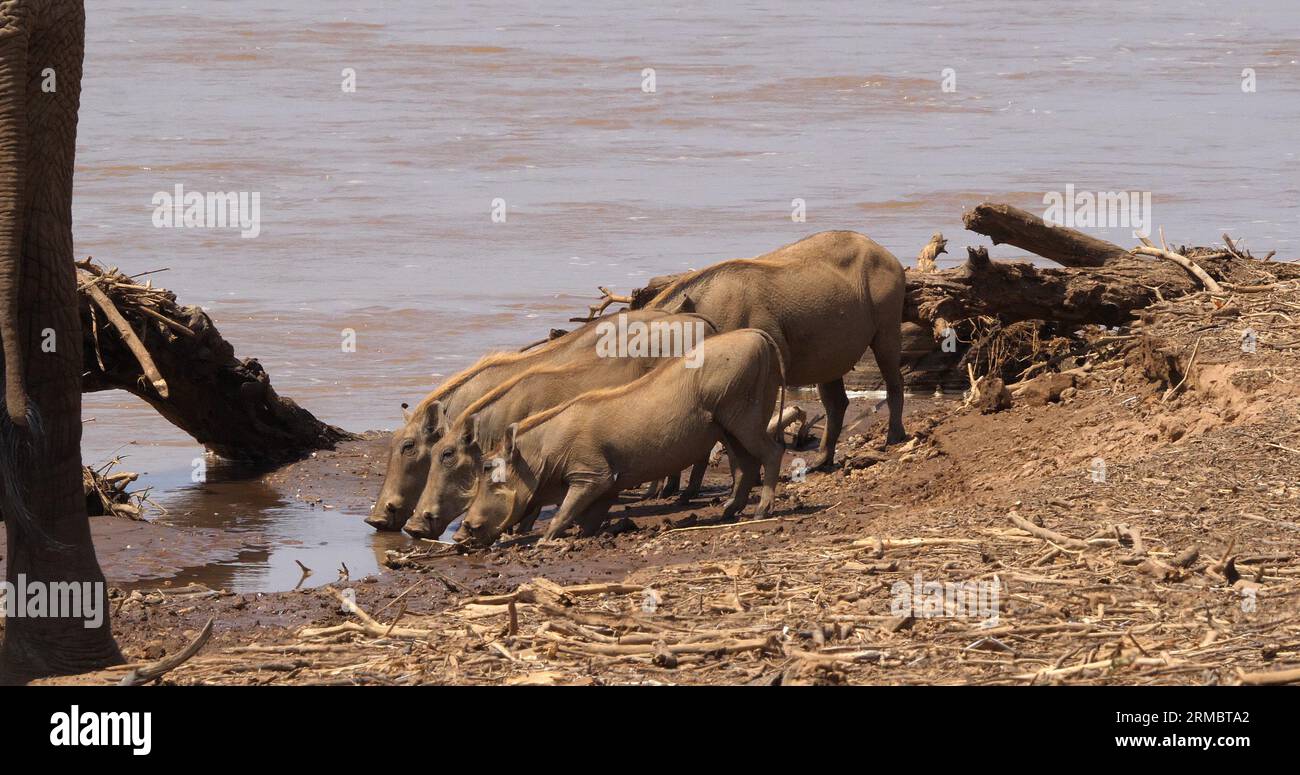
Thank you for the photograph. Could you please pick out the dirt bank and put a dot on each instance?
(1136, 517)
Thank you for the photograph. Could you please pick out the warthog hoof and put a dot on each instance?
(823, 461)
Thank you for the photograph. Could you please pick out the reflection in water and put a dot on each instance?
(282, 534)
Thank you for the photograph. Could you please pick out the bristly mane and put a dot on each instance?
(495, 394)
(600, 394)
(693, 280)
(461, 377)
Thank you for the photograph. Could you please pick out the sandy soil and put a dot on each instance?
(1180, 565)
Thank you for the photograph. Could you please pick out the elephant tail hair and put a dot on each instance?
(18, 446)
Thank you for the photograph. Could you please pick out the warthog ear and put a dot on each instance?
(687, 304)
(406, 412)
(433, 416)
(511, 433)
(470, 432)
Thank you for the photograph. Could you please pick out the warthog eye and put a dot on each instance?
(408, 447)
(447, 457)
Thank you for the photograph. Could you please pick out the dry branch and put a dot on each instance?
(1067, 247)
(1045, 534)
(175, 359)
(143, 675)
(1210, 283)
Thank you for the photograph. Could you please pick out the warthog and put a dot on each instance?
(582, 453)
(458, 456)
(410, 453)
(824, 299)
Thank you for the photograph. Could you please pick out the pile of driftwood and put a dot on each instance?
(1002, 318)
(107, 493)
(139, 339)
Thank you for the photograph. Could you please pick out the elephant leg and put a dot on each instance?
(46, 527)
(836, 402)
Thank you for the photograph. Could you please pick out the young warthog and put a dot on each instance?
(457, 457)
(589, 448)
(824, 299)
(410, 454)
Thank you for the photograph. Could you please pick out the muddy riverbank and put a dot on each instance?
(1135, 533)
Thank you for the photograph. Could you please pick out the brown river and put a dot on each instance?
(620, 140)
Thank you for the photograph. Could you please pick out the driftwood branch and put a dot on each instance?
(1006, 224)
(175, 359)
(1192, 267)
(143, 675)
(596, 310)
(90, 284)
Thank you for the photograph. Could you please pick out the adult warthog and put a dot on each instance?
(582, 453)
(825, 300)
(411, 451)
(457, 457)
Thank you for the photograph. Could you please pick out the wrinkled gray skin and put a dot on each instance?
(411, 452)
(457, 457)
(582, 453)
(46, 527)
(825, 299)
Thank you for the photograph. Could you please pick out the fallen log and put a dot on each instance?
(1100, 283)
(175, 359)
(1003, 223)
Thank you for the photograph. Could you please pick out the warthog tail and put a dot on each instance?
(780, 366)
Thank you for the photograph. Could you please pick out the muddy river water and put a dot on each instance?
(619, 140)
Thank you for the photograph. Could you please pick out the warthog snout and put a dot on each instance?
(385, 518)
(468, 535)
(423, 524)
(462, 534)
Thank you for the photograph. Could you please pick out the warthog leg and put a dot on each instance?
(744, 472)
(697, 480)
(659, 488)
(836, 402)
(595, 515)
(759, 445)
(580, 497)
(525, 525)
(887, 350)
